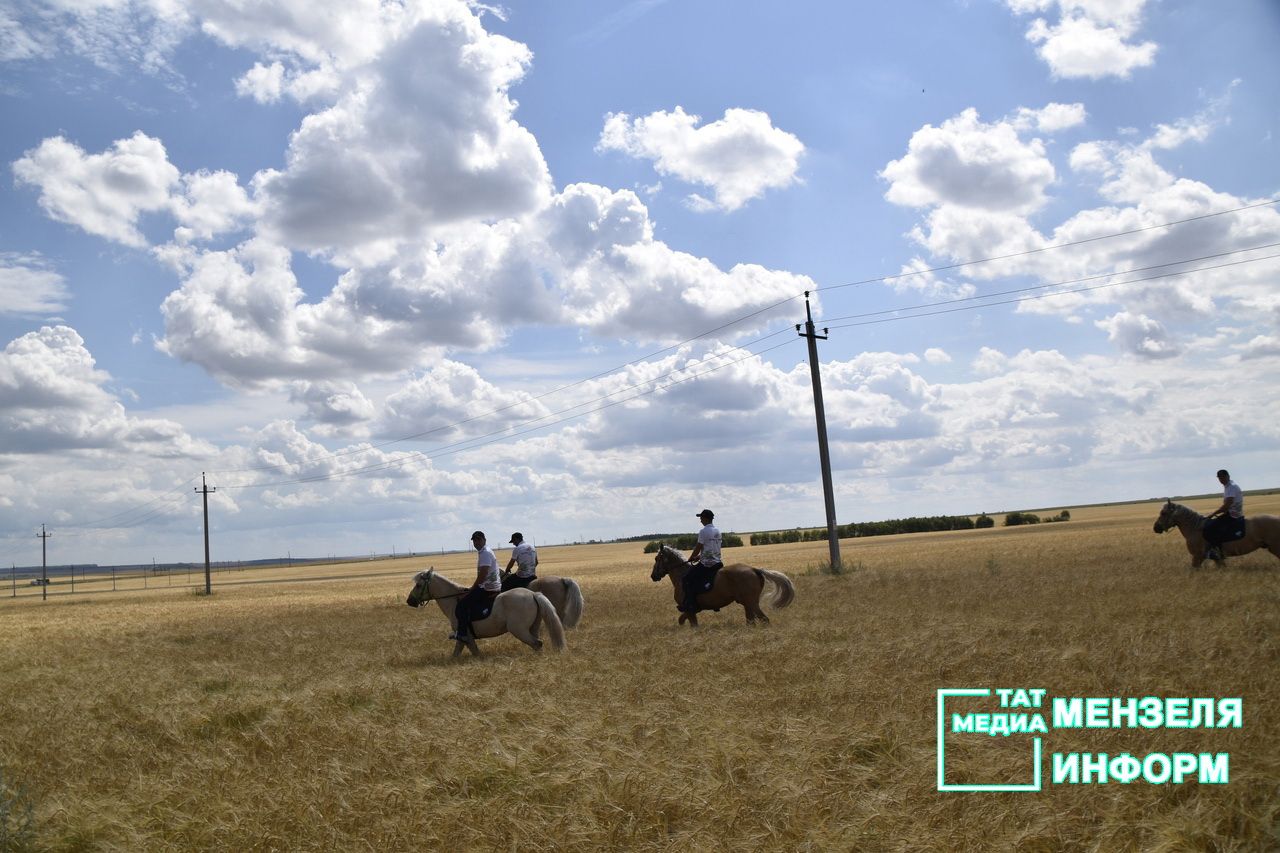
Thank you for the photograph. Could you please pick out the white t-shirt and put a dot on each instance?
(709, 539)
(1233, 492)
(488, 563)
(526, 559)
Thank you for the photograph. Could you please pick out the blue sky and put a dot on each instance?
(363, 261)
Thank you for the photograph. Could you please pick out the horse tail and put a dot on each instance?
(573, 603)
(548, 613)
(784, 591)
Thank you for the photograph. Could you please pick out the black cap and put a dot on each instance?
(516, 537)
(706, 513)
(479, 534)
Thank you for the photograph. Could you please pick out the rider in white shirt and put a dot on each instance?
(705, 556)
(1226, 523)
(525, 558)
(488, 584)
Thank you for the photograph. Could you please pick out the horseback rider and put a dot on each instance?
(525, 557)
(1226, 523)
(484, 590)
(704, 561)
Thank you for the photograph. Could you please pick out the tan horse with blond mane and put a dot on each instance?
(1260, 531)
(737, 582)
(520, 612)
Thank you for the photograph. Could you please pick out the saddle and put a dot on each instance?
(514, 581)
(697, 580)
(480, 606)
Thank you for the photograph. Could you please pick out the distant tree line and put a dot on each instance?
(1014, 519)
(915, 524)
(867, 528)
(687, 541)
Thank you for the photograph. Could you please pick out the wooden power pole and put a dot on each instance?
(824, 455)
(44, 564)
(204, 490)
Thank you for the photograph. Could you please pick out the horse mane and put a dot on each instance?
(1181, 511)
(422, 576)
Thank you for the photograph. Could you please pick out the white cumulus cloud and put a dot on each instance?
(28, 286)
(973, 164)
(1090, 39)
(53, 398)
(740, 156)
(105, 193)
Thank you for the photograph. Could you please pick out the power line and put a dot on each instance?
(743, 318)
(170, 495)
(1058, 246)
(525, 428)
(1059, 293)
(1065, 283)
(518, 403)
(1052, 247)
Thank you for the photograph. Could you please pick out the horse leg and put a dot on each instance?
(475, 650)
(760, 612)
(528, 636)
(457, 648)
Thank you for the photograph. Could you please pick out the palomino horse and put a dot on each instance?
(565, 595)
(1260, 531)
(738, 582)
(518, 611)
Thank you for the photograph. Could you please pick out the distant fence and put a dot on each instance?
(64, 581)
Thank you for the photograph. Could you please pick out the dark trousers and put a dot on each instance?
(695, 583)
(475, 599)
(1224, 528)
(514, 581)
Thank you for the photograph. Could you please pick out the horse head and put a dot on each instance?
(661, 563)
(421, 592)
(1165, 521)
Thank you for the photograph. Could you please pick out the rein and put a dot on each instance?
(426, 585)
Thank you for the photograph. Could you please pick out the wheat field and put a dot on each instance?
(328, 715)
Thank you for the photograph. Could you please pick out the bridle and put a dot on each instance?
(668, 558)
(425, 583)
(1174, 511)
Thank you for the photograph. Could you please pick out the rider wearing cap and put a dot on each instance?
(1226, 523)
(487, 585)
(525, 557)
(704, 561)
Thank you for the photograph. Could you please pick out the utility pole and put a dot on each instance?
(204, 490)
(824, 455)
(44, 564)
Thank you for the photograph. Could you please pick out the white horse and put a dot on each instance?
(565, 595)
(520, 612)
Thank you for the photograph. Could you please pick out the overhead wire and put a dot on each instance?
(526, 427)
(1052, 247)
(1061, 283)
(736, 321)
(1049, 295)
(729, 324)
